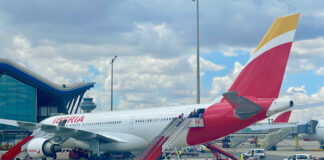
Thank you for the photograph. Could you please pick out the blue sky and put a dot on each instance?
(228, 62)
(155, 41)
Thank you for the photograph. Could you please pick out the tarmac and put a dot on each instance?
(284, 149)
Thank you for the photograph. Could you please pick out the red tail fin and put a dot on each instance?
(283, 118)
(262, 76)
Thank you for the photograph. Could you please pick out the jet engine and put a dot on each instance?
(279, 105)
(39, 148)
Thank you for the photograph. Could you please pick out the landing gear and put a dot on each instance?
(226, 142)
(78, 154)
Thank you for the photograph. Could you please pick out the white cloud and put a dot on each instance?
(309, 47)
(228, 51)
(300, 97)
(58, 69)
(21, 46)
(319, 96)
(140, 81)
(307, 55)
(320, 71)
(298, 94)
(157, 40)
(221, 84)
(204, 64)
(156, 50)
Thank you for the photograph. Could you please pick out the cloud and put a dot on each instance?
(145, 79)
(319, 96)
(204, 64)
(298, 94)
(56, 68)
(307, 55)
(300, 97)
(154, 42)
(320, 71)
(221, 84)
(140, 81)
(76, 22)
(309, 47)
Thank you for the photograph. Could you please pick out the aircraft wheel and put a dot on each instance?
(273, 148)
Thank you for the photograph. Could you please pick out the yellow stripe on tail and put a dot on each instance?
(280, 26)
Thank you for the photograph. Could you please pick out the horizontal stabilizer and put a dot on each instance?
(243, 107)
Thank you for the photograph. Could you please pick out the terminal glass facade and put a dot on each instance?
(17, 100)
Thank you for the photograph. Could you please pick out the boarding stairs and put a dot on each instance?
(15, 150)
(168, 137)
(217, 152)
(22, 145)
(237, 140)
(275, 137)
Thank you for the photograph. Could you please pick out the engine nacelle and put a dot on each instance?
(41, 148)
(279, 105)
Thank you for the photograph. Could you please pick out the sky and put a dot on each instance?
(155, 41)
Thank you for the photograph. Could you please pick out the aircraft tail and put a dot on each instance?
(262, 76)
(283, 117)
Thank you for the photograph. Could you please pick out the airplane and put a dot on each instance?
(310, 129)
(317, 134)
(252, 97)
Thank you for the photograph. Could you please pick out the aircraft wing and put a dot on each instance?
(306, 106)
(264, 126)
(64, 131)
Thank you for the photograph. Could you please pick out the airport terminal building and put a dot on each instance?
(26, 96)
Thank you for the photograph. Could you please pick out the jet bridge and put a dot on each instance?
(308, 128)
(275, 137)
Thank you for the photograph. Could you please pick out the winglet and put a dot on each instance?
(243, 107)
(9, 122)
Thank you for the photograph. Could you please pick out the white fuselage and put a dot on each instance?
(137, 126)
